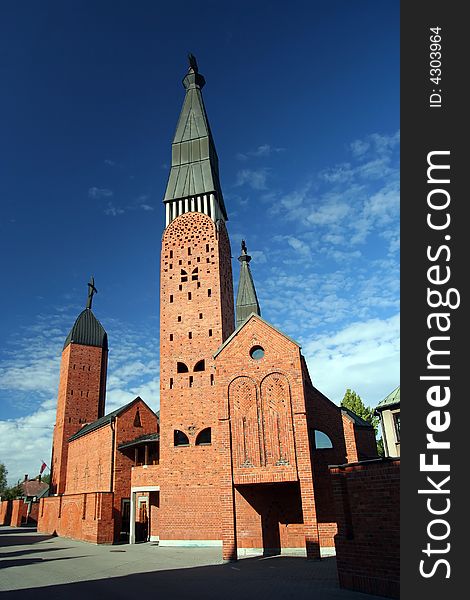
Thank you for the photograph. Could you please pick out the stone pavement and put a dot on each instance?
(43, 567)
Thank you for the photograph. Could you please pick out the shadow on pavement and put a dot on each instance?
(277, 578)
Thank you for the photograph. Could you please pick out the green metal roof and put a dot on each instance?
(247, 300)
(143, 439)
(87, 331)
(391, 400)
(194, 162)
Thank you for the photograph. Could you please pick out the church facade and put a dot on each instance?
(239, 455)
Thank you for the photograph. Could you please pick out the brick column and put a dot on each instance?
(304, 468)
(227, 501)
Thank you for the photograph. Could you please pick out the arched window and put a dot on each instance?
(181, 367)
(200, 365)
(194, 274)
(184, 276)
(322, 441)
(204, 437)
(180, 438)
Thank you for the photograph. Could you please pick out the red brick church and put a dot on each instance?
(239, 455)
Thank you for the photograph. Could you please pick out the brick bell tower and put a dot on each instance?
(82, 386)
(197, 316)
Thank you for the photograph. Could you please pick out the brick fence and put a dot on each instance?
(367, 501)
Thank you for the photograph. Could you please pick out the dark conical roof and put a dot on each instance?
(87, 331)
(194, 164)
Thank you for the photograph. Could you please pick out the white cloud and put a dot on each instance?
(262, 151)
(97, 193)
(254, 178)
(363, 356)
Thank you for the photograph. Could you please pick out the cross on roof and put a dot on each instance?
(91, 291)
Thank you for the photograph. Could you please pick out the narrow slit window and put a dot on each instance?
(209, 293)
(171, 297)
(210, 332)
(179, 318)
(191, 381)
(171, 383)
(171, 337)
(189, 295)
(190, 335)
(212, 379)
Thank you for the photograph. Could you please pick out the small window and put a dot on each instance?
(137, 421)
(257, 352)
(204, 437)
(171, 253)
(396, 422)
(171, 383)
(190, 335)
(180, 287)
(180, 438)
(212, 379)
(171, 337)
(189, 251)
(179, 318)
(191, 381)
(200, 315)
(189, 295)
(200, 365)
(207, 247)
(322, 441)
(171, 297)
(210, 332)
(181, 368)
(209, 293)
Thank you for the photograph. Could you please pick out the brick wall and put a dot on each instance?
(18, 512)
(5, 512)
(87, 517)
(367, 503)
(263, 418)
(80, 400)
(196, 317)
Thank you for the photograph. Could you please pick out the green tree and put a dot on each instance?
(11, 493)
(354, 402)
(3, 478)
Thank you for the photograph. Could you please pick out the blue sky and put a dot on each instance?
(303, 101)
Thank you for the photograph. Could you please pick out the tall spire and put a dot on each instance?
(247, 301)
(193, 184)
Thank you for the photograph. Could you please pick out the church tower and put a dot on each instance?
(82, 386)
(197, 316)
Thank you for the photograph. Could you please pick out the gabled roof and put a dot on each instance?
(240, 327)
(34, 488)
(358, 421)
(102, 421)
(393, 399)
(87, 331)
(194, 163)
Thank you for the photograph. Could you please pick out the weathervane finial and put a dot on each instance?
(91, 291)
(193, 62)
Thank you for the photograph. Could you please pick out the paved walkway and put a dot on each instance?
(43, 567)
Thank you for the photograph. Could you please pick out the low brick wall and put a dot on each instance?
(18, 513)
(86, 517)
(5, 512)
(367, 502)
